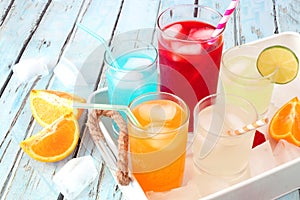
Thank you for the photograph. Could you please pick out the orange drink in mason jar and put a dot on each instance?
(157, 149)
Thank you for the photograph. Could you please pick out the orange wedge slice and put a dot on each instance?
(48, 105)
(285, 124)
(55, 142)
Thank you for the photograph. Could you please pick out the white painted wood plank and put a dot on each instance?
(15, 31)
(137, 14)
(288, 15)
(78, 52)
(170, 3)
(255, 20)
(5, 6)
(87, 54)
(36, 47)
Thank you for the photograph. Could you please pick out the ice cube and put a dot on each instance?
(129, 73)
(285, 151)
(259, 165)
(30, 68)
(75, 176)
(131, 76)
(189, 191)
(174, 31)
(134, 62)
(200, 34)
(186, 48)
(243, 65)
(158, 112)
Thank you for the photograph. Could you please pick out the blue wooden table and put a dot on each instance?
(46, 29)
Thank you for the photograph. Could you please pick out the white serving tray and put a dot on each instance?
(268, 185)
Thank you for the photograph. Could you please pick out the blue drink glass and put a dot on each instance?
(136, 71)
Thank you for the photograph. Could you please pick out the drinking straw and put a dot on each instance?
(100, 39)
(250, 127)
(123, 108)
(196, 8)
(221, 26)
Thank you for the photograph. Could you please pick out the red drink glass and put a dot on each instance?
(189, 59)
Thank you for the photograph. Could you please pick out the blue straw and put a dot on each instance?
(100, 39)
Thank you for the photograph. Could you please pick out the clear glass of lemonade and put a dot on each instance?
(135, 74)
(158, 149)
(240, 76)
(189, 58)
(217, 150)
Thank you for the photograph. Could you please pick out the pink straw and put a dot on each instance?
(225, 18)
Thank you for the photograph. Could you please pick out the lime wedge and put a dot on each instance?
(279, 60)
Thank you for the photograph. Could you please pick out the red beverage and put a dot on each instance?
(189, 60)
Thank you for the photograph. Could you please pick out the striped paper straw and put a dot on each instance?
(221, 26)
(250, 127)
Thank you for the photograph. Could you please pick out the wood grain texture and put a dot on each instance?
(15, 33)
(87, 55)
(17, 127)
(255, 20)
(47, 28)
(288, 17)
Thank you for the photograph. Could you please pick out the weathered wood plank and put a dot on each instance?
(18, 103)
(255, 20)
(137, 14)
(87, 55)
(15, 32)
(5, 6)
(288, 15)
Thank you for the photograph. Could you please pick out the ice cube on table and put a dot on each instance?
(30, 68)
(75, 176)
(200, 34)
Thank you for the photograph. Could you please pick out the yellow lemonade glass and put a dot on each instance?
(157, 150)
(241, 77)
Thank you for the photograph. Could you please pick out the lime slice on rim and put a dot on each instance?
(279, 58)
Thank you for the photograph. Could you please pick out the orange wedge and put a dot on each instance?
(48, 105)
(55, 142)
(285, 124)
